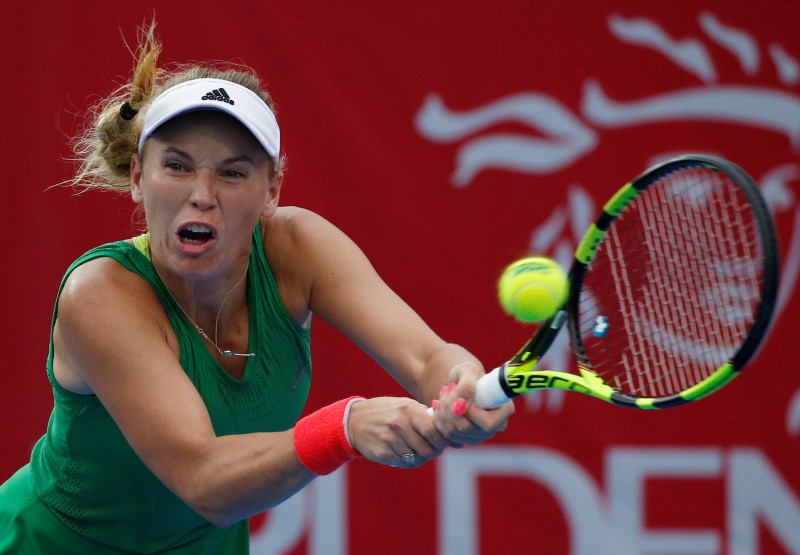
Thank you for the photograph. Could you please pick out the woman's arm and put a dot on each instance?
(340, 285)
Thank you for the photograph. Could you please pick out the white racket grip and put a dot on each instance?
(489, 393)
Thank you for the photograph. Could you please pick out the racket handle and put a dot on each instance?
(489, 393)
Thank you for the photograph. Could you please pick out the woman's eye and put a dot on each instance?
(175, 166)
(233, 174)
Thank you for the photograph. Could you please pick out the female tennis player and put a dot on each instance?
(179, 359)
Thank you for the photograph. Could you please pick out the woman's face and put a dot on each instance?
(204, 181)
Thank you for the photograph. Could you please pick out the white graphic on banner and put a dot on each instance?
(689, 54)
(562, 138)
(568, 139)
(766, 109)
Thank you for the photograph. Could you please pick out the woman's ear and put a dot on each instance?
(273, 196)
(136, 179)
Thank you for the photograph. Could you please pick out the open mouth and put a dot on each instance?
(196, 234)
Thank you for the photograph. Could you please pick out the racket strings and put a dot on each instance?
(673, 294)
(677, 277)
(693, 366)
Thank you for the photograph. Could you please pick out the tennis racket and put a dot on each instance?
(671, 292)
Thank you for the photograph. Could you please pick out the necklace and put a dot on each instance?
(222, 352)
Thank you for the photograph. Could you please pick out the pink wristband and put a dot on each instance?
(321, 439)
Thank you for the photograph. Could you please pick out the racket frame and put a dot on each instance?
(520, 375)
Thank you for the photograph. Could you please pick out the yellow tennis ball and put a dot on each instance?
(532, 289)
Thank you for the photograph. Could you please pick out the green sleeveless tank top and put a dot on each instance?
(87, 475)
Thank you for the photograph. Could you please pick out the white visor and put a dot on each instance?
(215, 94)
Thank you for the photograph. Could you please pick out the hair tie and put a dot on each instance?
(126, 112)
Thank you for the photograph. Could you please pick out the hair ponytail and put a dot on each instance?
(104, 149)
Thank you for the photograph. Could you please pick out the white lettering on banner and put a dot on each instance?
(759, 494)
(598, 524)
(458, 473)
(285, 527)
(627, 472)
(318, 512)
(615, 524)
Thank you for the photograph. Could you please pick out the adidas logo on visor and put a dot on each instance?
(212, 94)
(218, 94)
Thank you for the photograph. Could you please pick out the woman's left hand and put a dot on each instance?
(458, 418)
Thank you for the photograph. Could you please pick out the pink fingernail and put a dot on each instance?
(434, 403)
(460, 407)
(452, 388)
(443, 390)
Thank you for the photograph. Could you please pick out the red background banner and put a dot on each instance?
(448, 138)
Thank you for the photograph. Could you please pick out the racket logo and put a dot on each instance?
(600, 327)
(521, 383)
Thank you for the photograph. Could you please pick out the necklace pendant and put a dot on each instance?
(229, 353)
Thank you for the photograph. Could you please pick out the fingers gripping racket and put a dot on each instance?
(671, 292)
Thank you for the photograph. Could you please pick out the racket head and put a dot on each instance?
(673, 287)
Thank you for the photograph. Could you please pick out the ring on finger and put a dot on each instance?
(409, 459)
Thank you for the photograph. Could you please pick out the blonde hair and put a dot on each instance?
(103, 150)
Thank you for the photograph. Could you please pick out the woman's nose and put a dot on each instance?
(204, 190)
